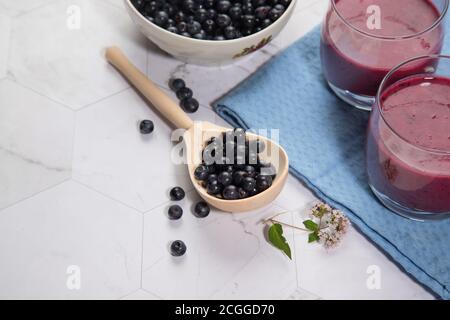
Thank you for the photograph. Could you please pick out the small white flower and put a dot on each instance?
(334, 225)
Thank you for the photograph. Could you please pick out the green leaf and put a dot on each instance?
(278, 240)
(311, 225)
(313, 237)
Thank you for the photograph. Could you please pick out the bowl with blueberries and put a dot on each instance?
(210, 32)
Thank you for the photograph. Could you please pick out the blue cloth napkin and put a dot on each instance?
(325, 140)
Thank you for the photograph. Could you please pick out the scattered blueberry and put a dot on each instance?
(184, 93)
(202, 209)
(175, 212)
(146, 126)
(177, 194)
(190, 105)
(178, 248)
(177, 84)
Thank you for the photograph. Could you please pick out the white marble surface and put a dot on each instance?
(79, 186)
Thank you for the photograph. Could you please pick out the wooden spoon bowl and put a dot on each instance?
(196, 136)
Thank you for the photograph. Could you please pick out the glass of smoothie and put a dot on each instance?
(408, 143)
(362, 40)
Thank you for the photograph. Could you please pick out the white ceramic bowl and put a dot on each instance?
(206, 52)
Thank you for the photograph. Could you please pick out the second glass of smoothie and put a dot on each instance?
(408, 144)
(362, 40)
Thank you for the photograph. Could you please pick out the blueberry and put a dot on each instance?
(184, 93)
(263, 182)
(179, 16)
(201, 209)
(238, 177)
(200, 35)
(279, 7)
(182, 27)
(201, 15)
(248, 21)
(223, 20)
(250, 171)
(225, 178)
(211, 14)
(248, 184)
(177, 194)
(213, 187)
(209, 25)
(177, 84)
(201, 172)
(262, 12)
(170, 23)
(230, 193)
(242, 193)
(275, 14)
(230, 32)
(211, 177)
(172, 29)
(186, 34)
(190, 105)
(189, 6)
(235, 12)
(194, 27)
(175, 212)
(219, 37)
(161, 18)
(223, 6)
(146, 127)
(178, 248)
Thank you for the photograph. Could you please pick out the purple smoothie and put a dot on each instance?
(357, 62)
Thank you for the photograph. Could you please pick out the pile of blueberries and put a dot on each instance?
(212, 19)
(232, 169)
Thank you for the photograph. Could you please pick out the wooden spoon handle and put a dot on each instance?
(165, 105)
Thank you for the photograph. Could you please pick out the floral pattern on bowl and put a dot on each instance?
(253, 48)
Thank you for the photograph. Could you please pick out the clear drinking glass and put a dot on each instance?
(408, 143)
(362, 40)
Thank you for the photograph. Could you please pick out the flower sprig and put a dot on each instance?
(326, 226)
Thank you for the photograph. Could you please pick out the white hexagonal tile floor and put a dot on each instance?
(65, 237)
(5, 35)
(16, 7)
(57, 50)
(227, 256)
(35, 143)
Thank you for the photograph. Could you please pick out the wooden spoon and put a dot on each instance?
(196, 135)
